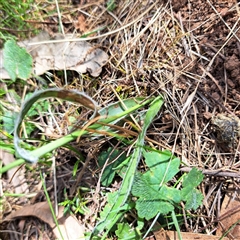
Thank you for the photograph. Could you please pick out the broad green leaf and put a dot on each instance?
(151, 200)
(109, 172)
(193, 178)
(162, 167)
(193, 198)
(170, 194)
(17, 61)
(150, 208)
(125, 232)
(143, 189)
(189, 193)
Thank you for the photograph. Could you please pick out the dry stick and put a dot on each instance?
(217, 173)
(222, 217)
(89, 157)
(134, 40)
(197, 136)
(130, 133)
(183, 117)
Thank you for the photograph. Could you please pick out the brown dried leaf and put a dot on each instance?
(172, 235)
(69, 226)
(81, 23)
(79, 56)
(15, 175)
(231, 209)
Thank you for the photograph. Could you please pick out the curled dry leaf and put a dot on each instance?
(79, 56)
(69, 226)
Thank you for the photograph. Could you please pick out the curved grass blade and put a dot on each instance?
(68, 95)
(114, 112)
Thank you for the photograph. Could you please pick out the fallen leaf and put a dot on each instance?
(79, 56)
(15, 175)
(231, 209)
(172, 235)
(81, 24)
(69, 226)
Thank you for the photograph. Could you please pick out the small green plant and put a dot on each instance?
(151, 193)
(151, 187)
(75, 205)
(13, 15)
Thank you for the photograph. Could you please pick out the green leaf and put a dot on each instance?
(109, 172)
(193, 178)
(9, 121)
(111, 199)
(111, 5)
(17, 61)
(143, 189)
(170, 194)
(37, 107)
(7, 147)
(154, 196)
(2, 92)
(125, 232)
(193, 198)
(189, 193)
(150, 208)
(151, 200)
(113, 215)
(162, 167)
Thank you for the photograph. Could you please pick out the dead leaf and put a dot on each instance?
(231, 209)
(69, 226)
(172, 235)
(81, 24)
(15, 175)
(79, 56)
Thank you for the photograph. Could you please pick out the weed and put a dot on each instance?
(150, 193)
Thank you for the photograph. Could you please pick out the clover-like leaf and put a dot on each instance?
(17, 61)
(162, 167)
(125, 232)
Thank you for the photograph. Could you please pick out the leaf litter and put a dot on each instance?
(174, 55)
(48, 55)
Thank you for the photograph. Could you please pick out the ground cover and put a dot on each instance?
(182, 57)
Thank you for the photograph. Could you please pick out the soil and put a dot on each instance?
(194, 62)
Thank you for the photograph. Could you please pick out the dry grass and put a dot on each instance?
(154, 50)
